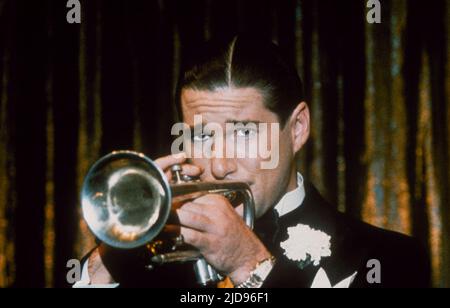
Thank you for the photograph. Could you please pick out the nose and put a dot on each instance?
(222, 167)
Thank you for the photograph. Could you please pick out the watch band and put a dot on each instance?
(259, 274)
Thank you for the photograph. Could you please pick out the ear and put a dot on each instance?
(300, 126)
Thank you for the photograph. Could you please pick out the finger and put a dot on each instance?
(197, 208)
(191, 170)
(186, 169)
(221, 203)
(193, 237)
(212, 198)
(168, 161)
(195, 221)
(215, 217)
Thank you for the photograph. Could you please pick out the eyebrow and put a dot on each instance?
(245, 122)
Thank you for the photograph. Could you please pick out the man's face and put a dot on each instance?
(242, 105)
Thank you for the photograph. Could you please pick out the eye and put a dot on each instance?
(201, 138)
(245, 132)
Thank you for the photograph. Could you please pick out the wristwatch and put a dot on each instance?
(259, 274)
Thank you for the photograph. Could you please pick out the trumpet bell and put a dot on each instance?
(125, 198)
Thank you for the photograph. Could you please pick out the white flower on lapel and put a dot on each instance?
(306, 245)
(321, 281)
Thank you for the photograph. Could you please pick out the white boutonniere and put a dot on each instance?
(306, 245)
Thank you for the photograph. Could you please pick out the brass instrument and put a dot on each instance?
(127, 201)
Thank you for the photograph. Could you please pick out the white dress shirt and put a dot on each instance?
(292, 199)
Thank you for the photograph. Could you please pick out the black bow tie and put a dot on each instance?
(267, 229)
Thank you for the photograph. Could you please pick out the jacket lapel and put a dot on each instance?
(347, 254)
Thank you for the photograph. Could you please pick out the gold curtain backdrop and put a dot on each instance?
(71, 93)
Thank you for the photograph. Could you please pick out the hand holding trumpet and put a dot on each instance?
(208, 223)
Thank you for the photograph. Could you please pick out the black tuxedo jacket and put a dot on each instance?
(403, 261)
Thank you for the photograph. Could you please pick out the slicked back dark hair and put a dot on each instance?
(243, 62)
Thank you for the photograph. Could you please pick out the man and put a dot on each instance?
(299, 240)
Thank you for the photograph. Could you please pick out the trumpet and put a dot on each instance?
(127, 201)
